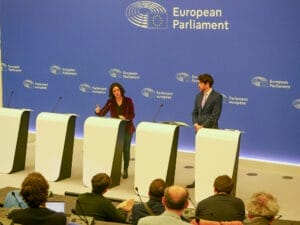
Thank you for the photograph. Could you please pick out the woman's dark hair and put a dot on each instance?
(34, 190)
(122, 90)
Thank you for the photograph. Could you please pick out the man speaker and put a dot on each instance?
(207, 107)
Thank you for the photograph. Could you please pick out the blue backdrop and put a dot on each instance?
(74, 49)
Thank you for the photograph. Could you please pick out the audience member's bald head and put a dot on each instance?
(176, 197)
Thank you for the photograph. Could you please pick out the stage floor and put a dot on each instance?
(270, 177)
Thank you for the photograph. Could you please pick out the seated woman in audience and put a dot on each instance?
(262, 209)
(96, 205)
(34, 191)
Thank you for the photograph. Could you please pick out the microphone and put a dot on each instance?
(56, 103)
(138, 194)
(9, 99)
(84, 219)
(19, 203)
(278, 217)
(157, 112)
(190, 199)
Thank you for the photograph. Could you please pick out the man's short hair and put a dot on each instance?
(223, 184)
(263, 204)
(206, 78)
(157, 188)
(100, 182)
(34, 190)
(175, 200)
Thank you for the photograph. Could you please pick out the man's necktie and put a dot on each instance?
(204, 100)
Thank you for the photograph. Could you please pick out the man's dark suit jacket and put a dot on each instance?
(99, 207)
(208, 116)
(139, 210)
(221, 207)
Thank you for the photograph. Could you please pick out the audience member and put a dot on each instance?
(13, 199)
(34, 191)
(175, 200)
(221, 206)
(262, 209)
(96, 205)
(154, 206)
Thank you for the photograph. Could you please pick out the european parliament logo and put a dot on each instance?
(28, 83)
(183, 77)
(148, 93)
(147, 14)
(296, 103)
(4, 67)
(59, 70)
(116, 73)
(85, 88)
(260, 81)
(35, 85)
(235, 100)
(11, 68)
(225, 98)
(55, 69)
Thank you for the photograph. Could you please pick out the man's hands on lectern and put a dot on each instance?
(197, 127)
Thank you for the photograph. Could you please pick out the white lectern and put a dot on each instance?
(102, 148)
(13, 139)
(155, 154)
(217, 153)
(54, 145)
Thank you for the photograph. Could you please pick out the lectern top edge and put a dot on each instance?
(69, 114)
(177, 123)
(236, 130)
(22, 109)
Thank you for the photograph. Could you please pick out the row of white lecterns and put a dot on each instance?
(216, 151)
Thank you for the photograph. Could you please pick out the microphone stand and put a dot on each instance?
(157, 112)
(138, 194)
(57, 101)
(10, 97)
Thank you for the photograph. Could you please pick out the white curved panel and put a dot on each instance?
(152, 153)
(51, 129)
(100, 139)
(215, 155)
(10, 120)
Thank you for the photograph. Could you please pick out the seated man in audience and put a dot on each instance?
(154, 206)
(96, 205)
(13, 199)
(175, 200)
(262, 209)
(34, 191)
(221, 206)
